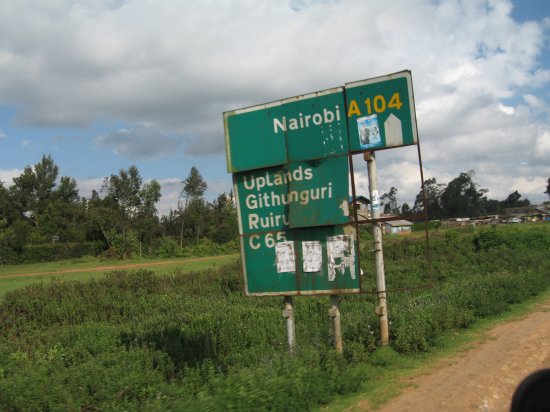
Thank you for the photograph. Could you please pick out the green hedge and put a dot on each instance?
(49, 252)
(140, 341)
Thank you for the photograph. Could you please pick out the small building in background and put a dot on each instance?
(363, 209)
(397, 227)
(531, 213)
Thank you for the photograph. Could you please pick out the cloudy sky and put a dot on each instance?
(105, 84)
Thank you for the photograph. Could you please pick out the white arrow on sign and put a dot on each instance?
(394, 131)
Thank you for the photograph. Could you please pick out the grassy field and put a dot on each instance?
(16, 276)
(136, 340)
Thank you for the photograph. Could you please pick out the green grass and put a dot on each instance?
(12, 276)
(134, 340)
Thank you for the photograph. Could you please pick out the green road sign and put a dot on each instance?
(290, 165)
(299, 194)
(381, 113)
(312, 126)
(301, 261)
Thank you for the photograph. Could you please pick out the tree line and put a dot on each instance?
(120, 218)
(461, 197)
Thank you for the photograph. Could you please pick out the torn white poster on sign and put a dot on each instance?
(312, 254)
(284, 253)
(340, 255)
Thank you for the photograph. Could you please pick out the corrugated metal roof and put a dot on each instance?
(399, 223)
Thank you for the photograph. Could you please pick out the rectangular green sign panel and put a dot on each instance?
(306, 127)
(301, 261)
(299, 194)
(380, 112)
(290, 168)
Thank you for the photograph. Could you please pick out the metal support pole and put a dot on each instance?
(290, 328)
(334, 313)
(382, 309)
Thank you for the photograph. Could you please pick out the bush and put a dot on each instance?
(168, 248)
(8, 256)
(49, 252)
(205, 247)
(140, 341)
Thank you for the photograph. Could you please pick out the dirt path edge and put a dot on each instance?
(111, 267)
(484, 377)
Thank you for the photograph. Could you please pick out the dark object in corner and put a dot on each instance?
(533, 393)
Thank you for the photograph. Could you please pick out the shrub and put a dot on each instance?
(140, 341)
(168, 248)
(48, 252)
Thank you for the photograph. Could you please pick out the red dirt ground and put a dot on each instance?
(483, 378)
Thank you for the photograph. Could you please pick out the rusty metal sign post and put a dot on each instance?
(291, 162)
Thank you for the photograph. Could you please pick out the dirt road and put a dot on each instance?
(482, 378)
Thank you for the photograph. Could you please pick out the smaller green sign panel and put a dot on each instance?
(381, 113)
(301, 261)
(307, 127)
(299, 194)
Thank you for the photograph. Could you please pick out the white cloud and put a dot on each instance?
(170, 191)
(6, 176)
(171, 68)
(143, 142)
(542, 147)
(87, 185)
(536, 104)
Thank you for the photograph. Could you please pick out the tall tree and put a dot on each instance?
(389, 201)
(548, 187)
(433, 191)
(67, 190)
(101, 216)
(46, 172)
(223, 226)
(64, 214)
(123, 191)
(514, 200)
(32, 190)
(4, 215)
(22, 192)
(194, 187)
(197, 218)
(134, 203)
(149, 195)
(463, 197)
(4, 202)
(147, 221)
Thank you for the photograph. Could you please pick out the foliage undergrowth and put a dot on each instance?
(48, 252)
(138, 341)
